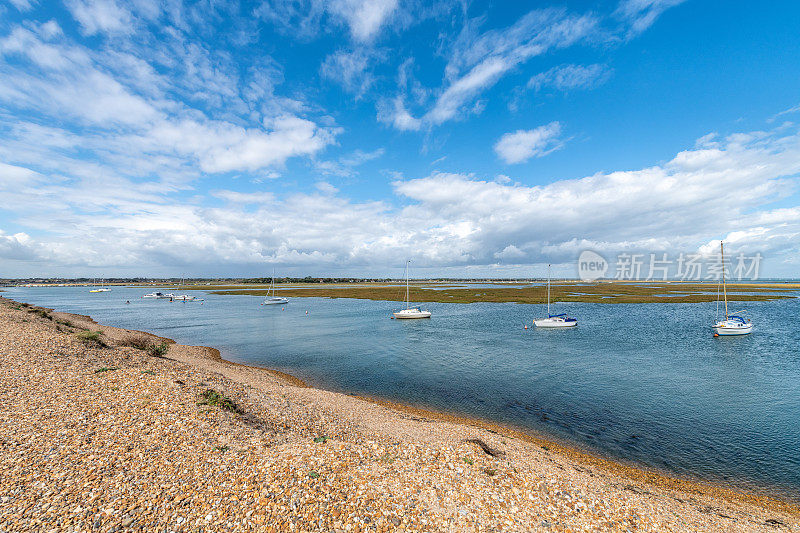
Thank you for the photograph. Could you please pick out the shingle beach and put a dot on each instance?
(105, 432)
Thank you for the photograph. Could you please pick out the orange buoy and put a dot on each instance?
(716, 334)
(526, 326)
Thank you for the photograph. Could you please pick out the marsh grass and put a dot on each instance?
(596, 292)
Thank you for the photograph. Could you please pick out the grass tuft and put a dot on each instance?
(106, 369)
(313, 475)
(42, 313)
(321, 438)
(489, 471)
(143, 343)
(92, 337)
(217, 399)
(469, 460)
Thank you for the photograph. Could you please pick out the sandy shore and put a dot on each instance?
(105, 436)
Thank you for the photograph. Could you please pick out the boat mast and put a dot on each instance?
(408, 301)
(724, 289)
(548, 290)
(272, 284)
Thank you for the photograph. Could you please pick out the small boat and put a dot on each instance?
(273, 300)
(185, 298)
(159, 296)
(409, 311)
(735, 324)
(101, 288)
(554, 321)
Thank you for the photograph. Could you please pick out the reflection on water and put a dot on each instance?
(643, 382)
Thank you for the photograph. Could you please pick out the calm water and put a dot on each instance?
(642, 382)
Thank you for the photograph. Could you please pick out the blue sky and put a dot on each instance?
(342, 137)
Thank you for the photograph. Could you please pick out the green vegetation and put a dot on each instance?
(489, 471)
(217, 399)
(41, 312)
(144, 343)
(64, 322)
(150, 372)
(313, 475)
(158, 350)
(92, 338)
(596, 292)
(321, 438)
(469, 460)
(222, 449)
(106, 369)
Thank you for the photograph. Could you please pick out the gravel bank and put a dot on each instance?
(97, 435)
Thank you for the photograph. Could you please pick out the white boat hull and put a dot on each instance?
(554, 323)
(725, 329)
(275, 301)
(411, 313)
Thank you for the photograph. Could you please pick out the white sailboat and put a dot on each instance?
(410, 312)
(554, 321)
(184, 297)
(273, 300)
(100, 288)
(735, 324)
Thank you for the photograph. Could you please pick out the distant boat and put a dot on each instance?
(554, 321)
(183, 297)
(735, 324)
(273, 300)
(410, 312)
(101, 288)
(159, 296)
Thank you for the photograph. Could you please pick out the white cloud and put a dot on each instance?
(567, 77)
(641, 14)
(479, 60)
(364, 17)
(350, 70)
(522, 145)
(97, 16)
(245, 197)
(23, 5)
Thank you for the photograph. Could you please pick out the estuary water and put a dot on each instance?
(644, 383)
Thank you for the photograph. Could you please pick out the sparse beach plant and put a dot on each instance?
(222, 449)
(313, 475)
(489, 471)
(150, 372)
(469, 460)
(92, 337)
(106, 369)
(42, 313)
(217, 399)
(158, 350)
(320, 439)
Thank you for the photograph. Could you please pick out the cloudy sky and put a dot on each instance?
(341, 137)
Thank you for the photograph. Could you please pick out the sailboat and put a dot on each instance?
(734, 324)
(184, 297)
(411, 312)
(554, 321)
(101, 288)
(273, 300)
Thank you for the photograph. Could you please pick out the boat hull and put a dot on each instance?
(405, 314)
(726, 331)
(550, 323)
(279, 301)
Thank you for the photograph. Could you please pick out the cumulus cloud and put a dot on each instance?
(350, 69)
(443, 219)
(364, 17)
(521, 145)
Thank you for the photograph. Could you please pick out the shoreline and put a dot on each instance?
(631, 469)
(639, 479)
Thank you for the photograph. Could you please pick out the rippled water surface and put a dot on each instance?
(642, 382)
